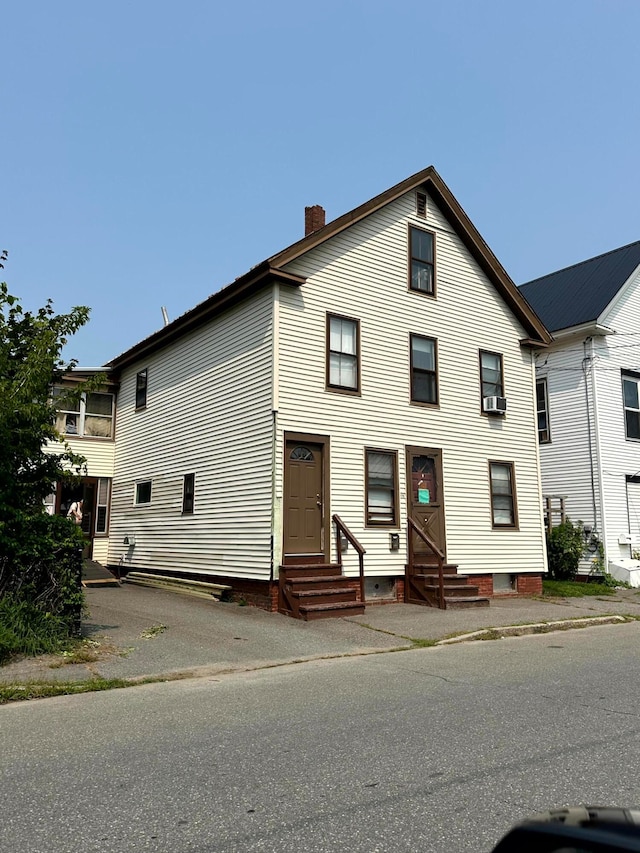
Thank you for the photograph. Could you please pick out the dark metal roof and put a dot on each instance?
(580, 293)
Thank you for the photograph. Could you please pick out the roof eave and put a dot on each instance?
(537, 332)
(242, 288)
(592, 327)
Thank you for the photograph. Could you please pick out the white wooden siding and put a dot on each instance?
(209, 413)
(619, 457)
(100, 455)
(595, 363)
(362, 273)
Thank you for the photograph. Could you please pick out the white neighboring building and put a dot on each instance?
(588, 390)
(361, 372)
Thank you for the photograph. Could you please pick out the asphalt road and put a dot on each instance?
(437, 749)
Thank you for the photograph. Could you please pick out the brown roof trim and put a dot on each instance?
(271, 271)
(433, 183)
(260, 276)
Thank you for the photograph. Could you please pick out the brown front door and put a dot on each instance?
(425, 497)
(304, 500)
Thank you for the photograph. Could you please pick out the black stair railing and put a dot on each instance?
(343, 530)
(438, 554)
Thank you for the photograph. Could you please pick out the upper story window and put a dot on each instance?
(343, 353)
(491, 376)
(91, 416)
(141, 389)
(421, 260)
(381, 487)
(631, 397)
(542, 409)
(503, 495)
(424, 376)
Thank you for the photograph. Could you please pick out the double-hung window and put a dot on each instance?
(631, 397)
(542, 409)
(503, 494)
(102, 505)
(381, 488)
(491, 375)
(424, 376)
(343, 353)
(421, 260)
(88, 416)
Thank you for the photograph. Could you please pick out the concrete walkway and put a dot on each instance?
(135, 632)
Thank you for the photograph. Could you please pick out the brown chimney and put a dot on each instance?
(313, 219)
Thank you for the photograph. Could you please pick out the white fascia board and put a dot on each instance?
(584, 329)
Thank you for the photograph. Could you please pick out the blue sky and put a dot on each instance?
(152, 151)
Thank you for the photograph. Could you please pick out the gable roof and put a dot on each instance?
(270, 270)
(579, 294)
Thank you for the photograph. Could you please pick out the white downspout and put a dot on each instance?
(275, 402)
(596, 430)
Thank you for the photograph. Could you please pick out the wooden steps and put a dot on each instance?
(422, 586)
(317, 591)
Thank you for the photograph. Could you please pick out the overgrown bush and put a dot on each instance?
(565, 547)
(41, 596)
(40, 555)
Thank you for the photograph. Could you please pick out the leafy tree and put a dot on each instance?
(35, 549)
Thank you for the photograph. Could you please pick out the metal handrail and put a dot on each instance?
(439, 555)
(341, 528)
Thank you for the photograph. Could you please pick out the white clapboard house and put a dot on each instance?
(353, 417)
(588, 400)
(88, 428)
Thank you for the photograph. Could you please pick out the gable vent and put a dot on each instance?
(421, 204)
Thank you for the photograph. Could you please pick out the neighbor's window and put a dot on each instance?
(102, 505)
(343, 341)
(503, 501)
(631, 398)
(141, 389)
(143, 492)
(424, 377)
(381, 487)
(188, 492)
(421, 260)
(491, 376)
(542, 408)
(91, 416)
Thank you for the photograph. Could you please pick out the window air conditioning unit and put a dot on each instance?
(495, 405)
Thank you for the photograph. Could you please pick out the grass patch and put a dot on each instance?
(153, 631)
(43, 689)
(574, 589)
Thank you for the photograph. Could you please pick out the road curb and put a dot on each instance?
(535, 628)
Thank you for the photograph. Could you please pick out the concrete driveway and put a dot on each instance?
(139, 631)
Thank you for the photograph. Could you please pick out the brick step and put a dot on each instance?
(328, 580)
(470, 601)
(326, 611)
